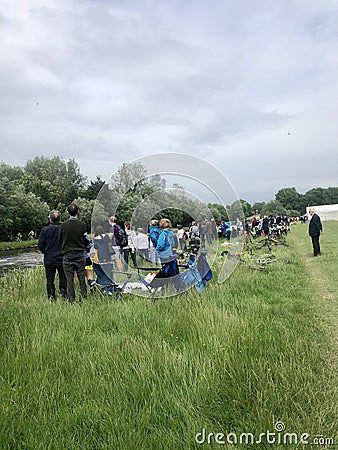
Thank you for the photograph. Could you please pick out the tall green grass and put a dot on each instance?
(137, 374)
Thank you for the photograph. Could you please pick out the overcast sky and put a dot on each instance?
(250, 86)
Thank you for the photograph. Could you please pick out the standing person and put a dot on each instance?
(130, 249)
(193, 230)
(102, 245)
(166, 241)
(142, 244)
(89, 264)
(154, 232)
(31, 235)
(214, 229)
(72, 237)
(181, 237)
(209, 235)
(315, 230)
(202, 231)
(246, 228)
(50, 245)
(114, 237)
(265, 226)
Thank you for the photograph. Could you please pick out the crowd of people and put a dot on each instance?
(68, 249)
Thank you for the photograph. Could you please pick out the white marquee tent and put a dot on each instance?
(325, 212)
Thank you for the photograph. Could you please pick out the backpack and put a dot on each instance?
(121, 237)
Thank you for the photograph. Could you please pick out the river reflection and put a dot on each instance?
(19, 259)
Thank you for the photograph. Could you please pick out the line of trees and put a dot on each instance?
(28, 193)
(291, 203)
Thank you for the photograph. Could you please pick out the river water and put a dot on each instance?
(19, 259)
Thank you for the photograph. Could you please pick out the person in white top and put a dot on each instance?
(130, 249)
(194, 230)
(181, 236)
(142, 244)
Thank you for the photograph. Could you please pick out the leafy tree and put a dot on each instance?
(20, 211)
(127, 206)
(219, 212)
(236, 210)
(292, 213)
(313, 197)
(130, 177)
(93, 189)
(91, 212)
(53, 180)
(318, 196)
(28, 212)
(6, 191)
(273, 207)
(332, 195)
(289, 198)
(14, 174)
(247, 209)
(257, 207)
(127, 188)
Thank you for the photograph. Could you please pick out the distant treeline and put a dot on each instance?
(28, 193)
(290, 202)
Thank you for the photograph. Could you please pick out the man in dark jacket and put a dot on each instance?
(315, 230)
(50, 245)
(72, 236)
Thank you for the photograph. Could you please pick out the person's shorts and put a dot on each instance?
(89, 264)
(117, 254)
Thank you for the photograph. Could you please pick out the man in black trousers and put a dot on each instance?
(315, 230)
(72, 236)
(50, 245)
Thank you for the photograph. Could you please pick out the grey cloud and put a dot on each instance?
(108, 82)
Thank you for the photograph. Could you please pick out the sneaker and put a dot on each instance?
(91, 282)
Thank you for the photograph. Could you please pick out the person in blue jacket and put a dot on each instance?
(49, 244)
(154, 231)
(166, 241)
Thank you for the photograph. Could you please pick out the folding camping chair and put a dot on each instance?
(197, 272)
(159, 278)
(104, 283)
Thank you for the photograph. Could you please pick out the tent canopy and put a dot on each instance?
(326, 212)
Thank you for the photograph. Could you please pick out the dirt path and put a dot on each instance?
(326, 290)
(323, 273)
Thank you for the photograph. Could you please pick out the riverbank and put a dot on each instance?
(255, 352)
(18, 245)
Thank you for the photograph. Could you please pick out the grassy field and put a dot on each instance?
(135, 374)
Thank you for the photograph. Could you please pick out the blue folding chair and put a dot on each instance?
(197, 272)
(104, 282)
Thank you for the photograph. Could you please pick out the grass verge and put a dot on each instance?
(137, 374)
